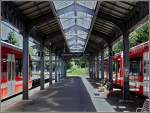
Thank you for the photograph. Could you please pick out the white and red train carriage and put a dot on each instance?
(11, 70)
(139, 66)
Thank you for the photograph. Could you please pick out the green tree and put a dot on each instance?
(31, 51)
(12, 38)
(118, 47)
(69, 65)
(139, 35)
(105, 52)
(136, 37)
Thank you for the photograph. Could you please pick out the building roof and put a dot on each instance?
(81, 26)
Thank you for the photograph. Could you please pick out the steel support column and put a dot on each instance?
(110, 63)
(102, 64)
(62, 69)
(50, 66)
(55, 68)
(89, 67)
(59, 71)
(97, 66)
(42, 81)
(61, 65)
(93, 68)
(25, 70)
(126, 65)
(65, 69)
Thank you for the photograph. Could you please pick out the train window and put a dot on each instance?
(135, 66)
(18, 67)
(30, 69)
(146, 67)
(118, 67)
(114, 67)
(4, 68)
(146, 64)
(13, 69)
(9, 70)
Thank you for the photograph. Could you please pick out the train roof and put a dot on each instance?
(6, 44)
(142, 45)
(139, 46)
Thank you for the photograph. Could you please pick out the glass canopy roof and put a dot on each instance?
(75, 17)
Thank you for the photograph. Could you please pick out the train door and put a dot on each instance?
(11, 74)
(117, 77)
(146, 73)
(3, 88)
(115, 71)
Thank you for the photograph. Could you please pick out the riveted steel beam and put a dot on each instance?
(77, 8)
(76, 27)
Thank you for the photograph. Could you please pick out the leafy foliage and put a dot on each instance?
(139, 35)
(118, 47)
(69, 65)
(136, 37)
(105, 52)
(77, 72)
(80, 62)
(12, 39)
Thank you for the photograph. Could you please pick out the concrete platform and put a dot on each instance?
(73, 94)
(116, 100)
(68, 95)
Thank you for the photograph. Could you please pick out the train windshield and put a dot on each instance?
(135, 66)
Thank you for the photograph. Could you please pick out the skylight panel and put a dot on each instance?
(76, 23)
(84, 15)
(82, 36)
(61, 4)
(81, 32)
(89, 4)
(68, 37)
(67, 15)
(81, 42)
(76, 47)
(68, 23)
(84, 23)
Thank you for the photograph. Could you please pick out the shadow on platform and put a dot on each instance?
(69, 95)
(117, 102)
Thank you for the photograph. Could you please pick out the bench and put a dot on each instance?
(106, 87)
(145, 107)
(102, 85)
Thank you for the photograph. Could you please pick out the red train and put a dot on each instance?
(139, 57)
(11, 70)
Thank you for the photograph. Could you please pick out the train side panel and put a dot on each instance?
(138, 72)
(11, 79)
